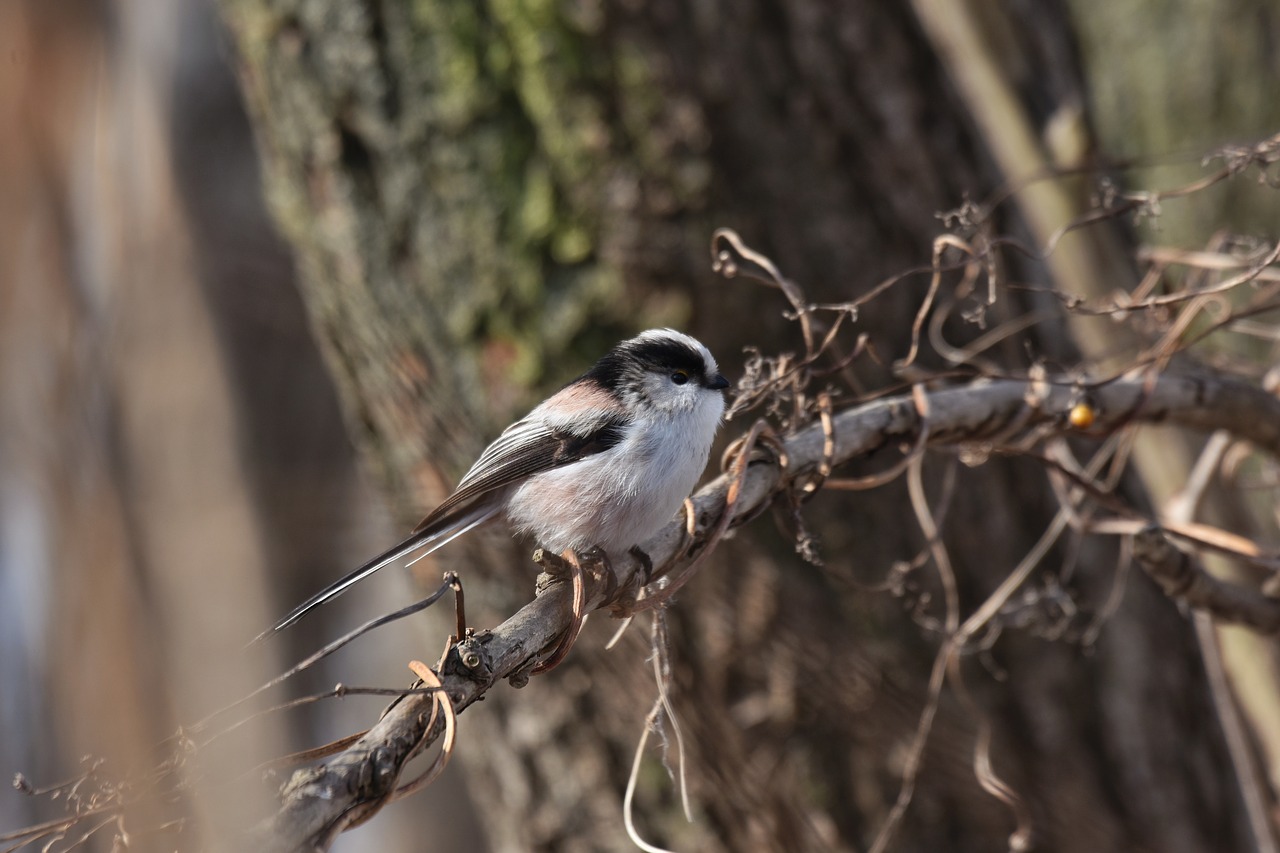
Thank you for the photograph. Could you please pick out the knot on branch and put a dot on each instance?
(1185, 580)
(1161, 559)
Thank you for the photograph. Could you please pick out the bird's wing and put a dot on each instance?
(525, 448)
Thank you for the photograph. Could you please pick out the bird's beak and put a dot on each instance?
(718, 382)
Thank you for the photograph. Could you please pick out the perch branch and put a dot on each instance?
(317, 799)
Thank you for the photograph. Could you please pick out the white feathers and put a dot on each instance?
(620, 497)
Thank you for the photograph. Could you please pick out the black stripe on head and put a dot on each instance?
(631, 358)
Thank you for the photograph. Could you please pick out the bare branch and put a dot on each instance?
(317, 799)
(1182, 579)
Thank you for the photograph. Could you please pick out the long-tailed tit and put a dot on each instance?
(605, 461)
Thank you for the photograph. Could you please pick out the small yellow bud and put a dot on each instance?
(1082, 416)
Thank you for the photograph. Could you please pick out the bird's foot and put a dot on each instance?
(574, 562)
(645, 562)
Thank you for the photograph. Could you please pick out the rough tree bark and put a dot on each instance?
(483, 195)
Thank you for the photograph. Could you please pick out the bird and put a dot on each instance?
(604, 462)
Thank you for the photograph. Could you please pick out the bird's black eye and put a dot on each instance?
(679, 377)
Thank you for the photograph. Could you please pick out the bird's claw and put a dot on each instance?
(596, 558)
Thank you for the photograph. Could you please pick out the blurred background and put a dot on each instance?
(207, 411)
(172, 450)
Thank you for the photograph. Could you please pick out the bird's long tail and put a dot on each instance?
(429, 539)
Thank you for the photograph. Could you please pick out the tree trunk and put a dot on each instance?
(484, 196)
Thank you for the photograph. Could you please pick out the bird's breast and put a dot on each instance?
(614, 499)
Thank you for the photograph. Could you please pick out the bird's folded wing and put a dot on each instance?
(525, 448)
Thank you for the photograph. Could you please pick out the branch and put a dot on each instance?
(1183, 579)
(319, 801)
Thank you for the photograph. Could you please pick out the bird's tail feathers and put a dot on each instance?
(430, 539)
